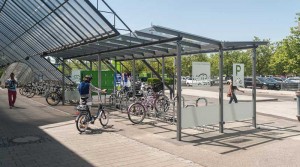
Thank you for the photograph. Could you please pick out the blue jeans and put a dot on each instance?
(233, 97)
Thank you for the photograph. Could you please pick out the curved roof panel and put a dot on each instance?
(31, 28)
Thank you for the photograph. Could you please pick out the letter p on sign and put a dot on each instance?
(237, 69)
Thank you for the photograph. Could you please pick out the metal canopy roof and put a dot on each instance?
(29, 28)
(156, 41)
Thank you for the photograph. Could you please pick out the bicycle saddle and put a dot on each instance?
(84, 98)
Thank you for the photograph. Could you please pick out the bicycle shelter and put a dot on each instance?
(101, 41)
(160, 42)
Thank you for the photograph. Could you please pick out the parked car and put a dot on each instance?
(247, 82)
(263, 83)
(293, 80)
(278, 79)
(192, 81)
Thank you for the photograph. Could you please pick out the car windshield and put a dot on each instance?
(262, 79)
(278, 79)
(271, 79)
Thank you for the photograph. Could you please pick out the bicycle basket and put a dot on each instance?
(158, 87)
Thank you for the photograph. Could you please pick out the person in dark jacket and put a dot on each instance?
(232, 90)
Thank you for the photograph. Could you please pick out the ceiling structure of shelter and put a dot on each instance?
(153, 42)
(75, 29)
(31, 28)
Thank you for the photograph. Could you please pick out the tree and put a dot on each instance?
(286, 59)
(188, 60)
(263, 57)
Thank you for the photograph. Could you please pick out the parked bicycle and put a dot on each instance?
(154, 100)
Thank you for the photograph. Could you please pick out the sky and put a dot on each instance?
(226, 20)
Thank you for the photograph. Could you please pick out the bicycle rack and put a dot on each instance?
(173, 102)
(201, 98)
(201, 128)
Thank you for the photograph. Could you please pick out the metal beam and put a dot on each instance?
(129, 38)
(148, 47)
(186, 35)
(156, 73)
(111, 66)
(124, 66)
(86, 66)
(243, 44)
(75, 64)
(131, 47)
(158, 37)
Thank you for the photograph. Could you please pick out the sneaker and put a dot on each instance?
(92, 121)
(10, 107)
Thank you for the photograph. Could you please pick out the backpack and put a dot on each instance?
(84, 88)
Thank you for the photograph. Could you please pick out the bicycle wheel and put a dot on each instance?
(53, 98)
(162, 103)
(136, 113)
(104, 117)
(31, 93)
(21, 91)
(82, 122)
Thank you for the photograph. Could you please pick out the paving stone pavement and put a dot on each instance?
(60, 144)
(106, 148)
(152, 143)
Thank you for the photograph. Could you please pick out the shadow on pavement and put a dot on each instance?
(23, 143)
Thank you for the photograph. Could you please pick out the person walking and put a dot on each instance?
(11, 85)
(231, 91)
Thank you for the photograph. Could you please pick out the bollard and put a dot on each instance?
(298, 104)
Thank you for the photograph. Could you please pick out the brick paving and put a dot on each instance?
(153, 143)
(60, 144)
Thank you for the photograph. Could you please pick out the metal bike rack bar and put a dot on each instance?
(201, 98)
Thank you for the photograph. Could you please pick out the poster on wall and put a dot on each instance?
(75, 76)
(201, 74)
(238, 75)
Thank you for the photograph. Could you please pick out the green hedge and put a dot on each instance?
(168, 81)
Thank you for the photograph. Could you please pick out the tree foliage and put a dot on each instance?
(286, 59)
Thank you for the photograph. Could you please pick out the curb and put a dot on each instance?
(263, 100)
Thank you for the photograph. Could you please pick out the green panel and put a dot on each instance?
(107, 81)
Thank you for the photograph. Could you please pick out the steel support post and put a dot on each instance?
(254, 86)
(163, 73)
(179, 90)
(63, 82)
(298, 105)
(99, 72)
(133, 75)
(115, 76)
(221, 102)
(174, 79)
(91, 65)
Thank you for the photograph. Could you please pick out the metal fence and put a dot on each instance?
(290, 86)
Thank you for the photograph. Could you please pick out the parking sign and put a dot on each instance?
(238, 75)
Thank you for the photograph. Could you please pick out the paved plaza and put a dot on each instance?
(55, 141)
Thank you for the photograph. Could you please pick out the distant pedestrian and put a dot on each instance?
(231, 91)
(11, 85)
